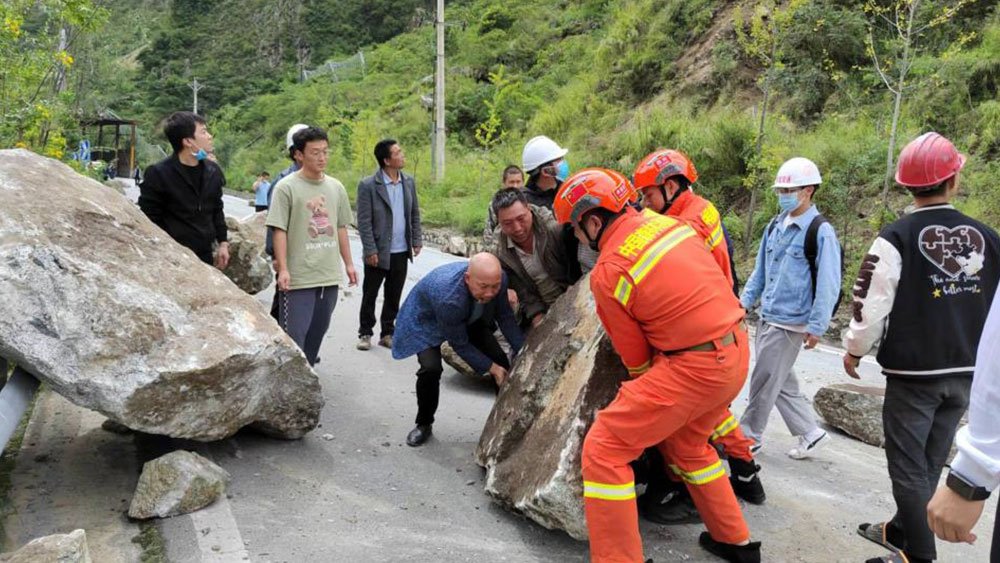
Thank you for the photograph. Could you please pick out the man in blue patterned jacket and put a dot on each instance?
(460, 303)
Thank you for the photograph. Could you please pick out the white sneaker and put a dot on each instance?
(806, 447)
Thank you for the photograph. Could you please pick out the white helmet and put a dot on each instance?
(291, 133)
(540, 150)
(796, 173)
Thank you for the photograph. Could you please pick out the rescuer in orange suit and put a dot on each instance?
(664, 178)
(679, 330)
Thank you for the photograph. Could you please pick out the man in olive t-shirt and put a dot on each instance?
(310, 212)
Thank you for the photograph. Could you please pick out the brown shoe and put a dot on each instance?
(386, 341)
(365, 343)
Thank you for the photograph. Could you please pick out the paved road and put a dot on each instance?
(352, 491)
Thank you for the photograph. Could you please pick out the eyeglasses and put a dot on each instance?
(786, 191)
(318, 153)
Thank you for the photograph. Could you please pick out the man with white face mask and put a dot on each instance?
(797, 280)
(182, 194)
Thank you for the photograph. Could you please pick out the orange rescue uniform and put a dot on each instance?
(704, 217)
(658, 293)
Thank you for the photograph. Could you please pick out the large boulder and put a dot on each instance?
(117, 317)
(249, 266)
(853, 409)
(451, 357)
(58, 548)
(533, 438)
(177, 483)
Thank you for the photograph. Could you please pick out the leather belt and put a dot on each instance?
(709, 346)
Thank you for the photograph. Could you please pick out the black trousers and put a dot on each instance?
(429, 374)
(920, 417)
(995, 550)
(394, 279)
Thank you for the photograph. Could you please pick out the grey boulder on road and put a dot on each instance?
(117, 317)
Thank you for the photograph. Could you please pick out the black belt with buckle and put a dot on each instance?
(709, 346)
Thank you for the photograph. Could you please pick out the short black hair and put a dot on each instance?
(265, 174)
(507, 197)
(307, 135)
(933, 191)
(511, 170)
(383, 150)
(179, 126)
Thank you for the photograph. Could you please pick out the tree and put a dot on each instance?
(903, 23)
(763, 38)
(37, 38)
(491, 132)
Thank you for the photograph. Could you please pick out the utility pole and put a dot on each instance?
(439, 135)
(195, 86)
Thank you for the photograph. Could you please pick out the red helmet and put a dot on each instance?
(661, 165)
(927, 161)
(589, 189)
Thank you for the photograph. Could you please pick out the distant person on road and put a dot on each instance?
(975, 471)
(460, 303)
(798, 293)
(512, 178)
(922, 293)
(261, 189)
(182, 193)
(296, 159)
(391, 236)
(310, 213)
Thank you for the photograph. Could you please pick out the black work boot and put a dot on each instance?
(669, 504)
(749, 553)
(746, 482)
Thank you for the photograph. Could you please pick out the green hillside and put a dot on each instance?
(609, 80)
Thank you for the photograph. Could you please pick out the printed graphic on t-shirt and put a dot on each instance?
(319, 221)
(954, 251)
(959, 252)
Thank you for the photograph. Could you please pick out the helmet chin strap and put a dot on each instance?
(669, 201)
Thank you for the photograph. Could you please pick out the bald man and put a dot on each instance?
(460, 303)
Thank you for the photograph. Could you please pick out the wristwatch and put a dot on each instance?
(964, 488)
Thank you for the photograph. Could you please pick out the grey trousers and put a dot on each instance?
(305, 315)
(773, 383)
(920, 417)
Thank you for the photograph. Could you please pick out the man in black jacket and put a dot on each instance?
(182, 194)
(922, 293)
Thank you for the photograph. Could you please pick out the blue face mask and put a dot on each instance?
(788, 202)
(562, 171)
(201, 155)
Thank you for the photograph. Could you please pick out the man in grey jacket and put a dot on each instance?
(389, 225)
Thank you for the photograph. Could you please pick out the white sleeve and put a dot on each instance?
(874, 292)
(978, 458)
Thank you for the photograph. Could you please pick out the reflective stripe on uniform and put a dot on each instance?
(651, 257)
(716, 237)
(638, 370)
(701, 476)
(608, 491)
(623, 290)
(726, 427)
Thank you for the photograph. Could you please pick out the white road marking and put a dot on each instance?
(222, 542)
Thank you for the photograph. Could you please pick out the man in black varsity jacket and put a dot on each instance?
(924, 290)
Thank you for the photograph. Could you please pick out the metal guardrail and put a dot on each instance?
(15, 396)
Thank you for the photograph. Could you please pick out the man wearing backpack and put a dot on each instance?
(797, 280)
(922, 293)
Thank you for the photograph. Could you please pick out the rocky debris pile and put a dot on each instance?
(566, 372)
(177, 483)
(117, 317)
(853, 409)
(249, 267)
(58, 548)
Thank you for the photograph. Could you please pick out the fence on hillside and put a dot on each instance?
(352, 67)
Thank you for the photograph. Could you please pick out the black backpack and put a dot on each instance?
(811, 249)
